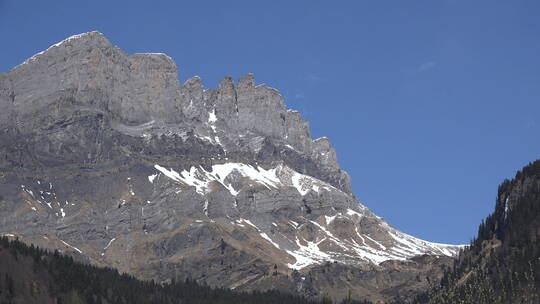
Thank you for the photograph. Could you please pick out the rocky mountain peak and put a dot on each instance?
(107, 156)
(86, 72)
(86, 42)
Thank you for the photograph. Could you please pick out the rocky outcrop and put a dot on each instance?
(106, 156)
(139, 95)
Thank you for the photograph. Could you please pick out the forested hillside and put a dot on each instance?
(32, 275)
(502, 265)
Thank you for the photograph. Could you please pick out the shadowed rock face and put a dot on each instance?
(106, 156)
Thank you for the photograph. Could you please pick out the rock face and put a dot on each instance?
(106, 156)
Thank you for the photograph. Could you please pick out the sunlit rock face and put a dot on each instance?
(106, 156)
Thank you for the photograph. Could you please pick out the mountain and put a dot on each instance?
(107, 157)
(502, 265)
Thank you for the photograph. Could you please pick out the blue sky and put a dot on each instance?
(430, 104)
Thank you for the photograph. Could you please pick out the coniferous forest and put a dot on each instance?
(43, 277)
(502, 264)
(32, 275)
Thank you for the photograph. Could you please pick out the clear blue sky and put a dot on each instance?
(430, 104)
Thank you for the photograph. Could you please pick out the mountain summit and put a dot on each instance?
(107, 157)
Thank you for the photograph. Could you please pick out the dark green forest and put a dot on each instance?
(68, 281)
(31, 275)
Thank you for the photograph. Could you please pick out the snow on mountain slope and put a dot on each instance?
(281, 176)
(323, 245)
(107, 157)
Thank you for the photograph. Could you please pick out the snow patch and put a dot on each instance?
(378, 244)
(73, 247)
(205, 208)
(212, 118)
(308, 254)
(266, 237)
(273, 178)
(351, 212)
(250, 223)
(109, 244)
(189, 178)
(330, 219)
(305, 183)
(152, 177)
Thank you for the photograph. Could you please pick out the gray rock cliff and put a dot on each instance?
(106, 156)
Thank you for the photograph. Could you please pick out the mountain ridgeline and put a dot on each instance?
(502, 264)
(106, 157)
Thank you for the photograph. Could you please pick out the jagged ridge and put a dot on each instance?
(107, 156)
(151, 102)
